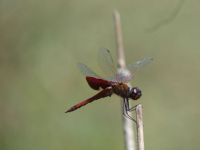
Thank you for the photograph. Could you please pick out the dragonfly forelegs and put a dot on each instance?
(126, 110)
(132, 108)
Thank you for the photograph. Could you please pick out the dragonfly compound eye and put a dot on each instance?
(135, 93)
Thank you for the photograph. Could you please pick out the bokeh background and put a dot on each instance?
(41, 42)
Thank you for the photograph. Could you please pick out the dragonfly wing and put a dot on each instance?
(85, 70)
(104, 93)
(96, 83)
(106, 62)
(139, 64)
(125, 75)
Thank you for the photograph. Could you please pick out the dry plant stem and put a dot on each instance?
(119, 41)
(140, 132)
(127, 123)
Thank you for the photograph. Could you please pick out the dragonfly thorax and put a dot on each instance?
(125, 91)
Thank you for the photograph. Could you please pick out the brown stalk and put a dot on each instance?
(140, 131)
(129, 139)
(129, 135)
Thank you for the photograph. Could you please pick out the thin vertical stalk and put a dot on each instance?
(140, 132)
(129, 135)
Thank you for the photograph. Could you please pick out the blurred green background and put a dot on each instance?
(42, 40)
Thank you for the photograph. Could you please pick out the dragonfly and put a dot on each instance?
(115, 83)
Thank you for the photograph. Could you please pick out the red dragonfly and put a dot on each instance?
(116, 83)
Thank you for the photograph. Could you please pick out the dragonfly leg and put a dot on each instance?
(127, 116)
(132, 108)
(126, 110)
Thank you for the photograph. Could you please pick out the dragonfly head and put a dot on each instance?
(135, 93)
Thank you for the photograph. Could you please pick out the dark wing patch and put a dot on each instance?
(96, 83)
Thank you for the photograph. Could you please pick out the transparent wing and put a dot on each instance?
(106, 63)
(139, 64)
(85, 70)
(125, 75)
